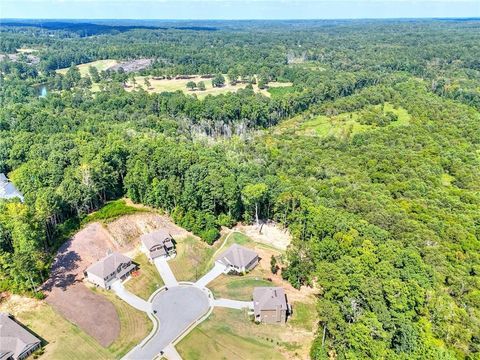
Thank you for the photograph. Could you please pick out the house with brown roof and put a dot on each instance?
(238, 259)
(270, 305)
(8, 190)
(114, 266)
(158, 244)
(15, 341)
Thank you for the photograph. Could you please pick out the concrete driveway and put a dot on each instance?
(130, 298)
(165, 272)
(176, 310)
(233, 304)
(216, 271)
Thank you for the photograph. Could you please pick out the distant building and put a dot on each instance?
(111, 268)
(8, 190)
(238, 258)
(15, 341)
(270, 305)
(157, 244)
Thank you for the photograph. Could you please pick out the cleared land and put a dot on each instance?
(341, 126)
(157, 86)
(99, 64)
(145, 280)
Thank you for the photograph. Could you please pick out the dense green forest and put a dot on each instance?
(371, 158)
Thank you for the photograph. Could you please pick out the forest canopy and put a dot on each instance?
(371, 158)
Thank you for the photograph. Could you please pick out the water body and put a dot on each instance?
(42, 91)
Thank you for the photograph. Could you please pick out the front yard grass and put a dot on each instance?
(134, 325)
(145, 280)
(192, 259)
(236, 287)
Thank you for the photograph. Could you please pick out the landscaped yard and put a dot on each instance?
(230, 334)
(145, 280)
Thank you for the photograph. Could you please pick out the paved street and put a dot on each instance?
(216, 271)
(233, 304)
(130, 298)
(165, 272)
(176, 309)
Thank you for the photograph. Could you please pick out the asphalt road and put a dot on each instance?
(177, 308)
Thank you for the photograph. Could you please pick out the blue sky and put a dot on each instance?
(236, 9)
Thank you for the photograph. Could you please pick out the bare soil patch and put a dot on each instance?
(269, 233)
(65, 289)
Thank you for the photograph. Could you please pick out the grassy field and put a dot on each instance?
(180, 84)
(146, 280)
(99, 64)
(110, 211)
(341, 126)
(230, 334)
(192, 259)
(64, 341)
(134, 325)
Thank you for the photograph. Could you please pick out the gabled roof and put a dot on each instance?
(108, 264)
(14, 339)
(237, 255)
(159, 237)
(8, 190)
(269, 298)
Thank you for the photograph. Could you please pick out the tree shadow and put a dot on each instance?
(62, 275)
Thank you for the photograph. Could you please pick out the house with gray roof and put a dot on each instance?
(238, 259)
(15, 341)
(157, 244)
(114, 266)
(270, 305)
(8, 190)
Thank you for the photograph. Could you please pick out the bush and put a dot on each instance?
(210, 235)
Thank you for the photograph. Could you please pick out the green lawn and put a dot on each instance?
(228, 334)
(144, 281)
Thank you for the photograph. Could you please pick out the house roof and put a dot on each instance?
(108, 264)
(237, 255)
(7, 189)
(159, 237)
(269, 298)
(14, 339)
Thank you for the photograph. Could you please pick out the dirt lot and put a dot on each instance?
(269, 234)
(65, 289)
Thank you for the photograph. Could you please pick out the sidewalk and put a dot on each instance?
(130, 298)
(216, 271)
(233, 304)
